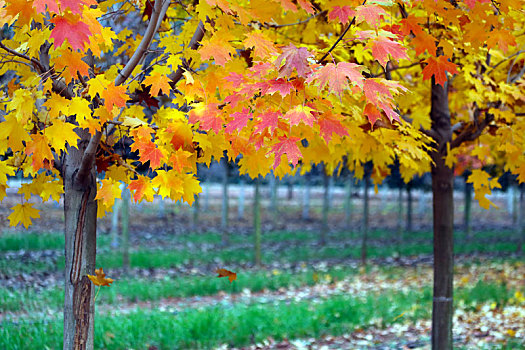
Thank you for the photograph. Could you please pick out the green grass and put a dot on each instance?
(232, 324)
(38, 241)
(240, 324)
(156, 258)
(141, 290)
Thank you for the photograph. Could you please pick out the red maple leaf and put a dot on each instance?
(240, 119)
(209, 118)
(370, 14)
(307, 6)
(300, 114)
(296, 58)
(424, 42)
(281, 85)
(382, 47)
(288, 146)
(375, 91)
(77, 33)
(411, 25)
(337, 76)
(372, 113)
(76, 5)
(439, 68)
(343, 13)
(330, 125)
(40, 6)
(472, 3)
(269, 119)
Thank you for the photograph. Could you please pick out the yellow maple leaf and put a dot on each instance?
(109, 191)
(61, 133)
(23, 213)
(100, 278)
(159, 82)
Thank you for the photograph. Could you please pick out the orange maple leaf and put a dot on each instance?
(439, 68)
(232, 276)
(100, 278)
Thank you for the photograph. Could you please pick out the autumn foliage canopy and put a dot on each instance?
(280, 84)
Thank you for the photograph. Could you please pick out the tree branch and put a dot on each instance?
(158, 12)
(35, 62)
(88, 158)
(339, 39)
(194, 43)
(472, 131)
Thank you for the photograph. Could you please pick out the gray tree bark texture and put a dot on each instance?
(468, 210)
(326, 208)
(410, 202)
(348, 203)
(257, 222)
(126, 198)
(240, 203)
(225, 201)
(443, 211)
(114, 224)
(399, 218)
(366, 213)
(306, 198)
(80, 210)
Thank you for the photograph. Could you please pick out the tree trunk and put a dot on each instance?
(273, 196)
(114, 224)
(126, 198)
(195, 213)
(290, 188)
(348, 203)
(225, 208)
(80, 210)
(206, 196)
(521, 231)
(410, 201)
(306, 199)
(240, 204)
(326, 207)
(443, 211)
(257, 222)
(366, 204)
(399, 219)
(468, 210)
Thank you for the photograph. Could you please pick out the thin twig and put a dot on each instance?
(340, 38)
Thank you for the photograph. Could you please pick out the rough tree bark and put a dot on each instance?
(115, 225)
(443, 211)
(348, 203)
(257, 221)
(306, 198)
(399, 218)
(126, 198)
(80, 210)
(240, 203)
(520, 228)
(225, 202)
(410, 202)
(468, 209)
(366, 211)
(326, 207)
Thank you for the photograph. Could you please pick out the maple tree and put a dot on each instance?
(140, 92)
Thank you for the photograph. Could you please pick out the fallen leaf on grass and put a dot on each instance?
(226, 273)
